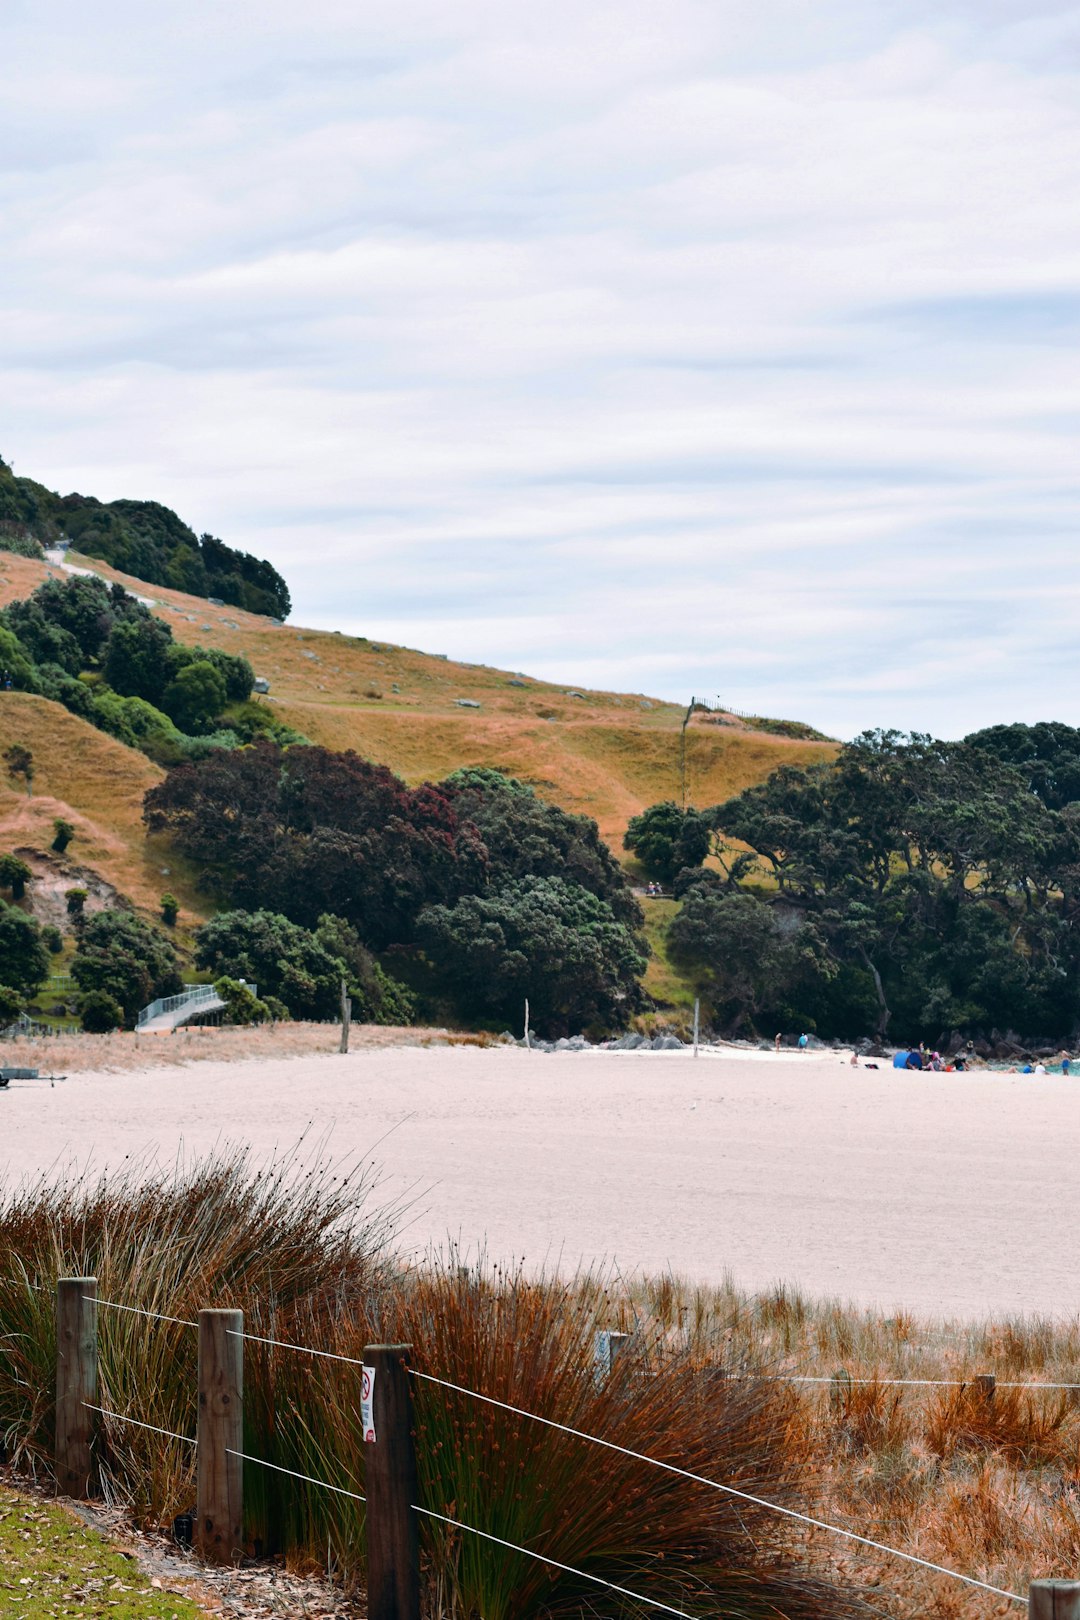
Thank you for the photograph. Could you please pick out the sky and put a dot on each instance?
(718, 349)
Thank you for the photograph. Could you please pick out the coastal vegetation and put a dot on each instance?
(982, 1482)
(142, 538)
(910, 888)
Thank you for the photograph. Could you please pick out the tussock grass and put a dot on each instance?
(298, 1246)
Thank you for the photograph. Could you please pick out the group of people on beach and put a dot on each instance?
(922, 1058)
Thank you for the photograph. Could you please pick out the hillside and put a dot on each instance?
(602, 753)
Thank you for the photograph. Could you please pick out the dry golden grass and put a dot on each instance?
(605, 754)
(989, 1487)
(124, 1051)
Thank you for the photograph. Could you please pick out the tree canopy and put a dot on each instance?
(544, 938)
(941, 879)
(124, 957)
(142, 538)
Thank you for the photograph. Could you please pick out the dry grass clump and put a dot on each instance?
(125, 1051)
(295, 1244)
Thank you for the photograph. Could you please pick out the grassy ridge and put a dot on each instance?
(605, 754)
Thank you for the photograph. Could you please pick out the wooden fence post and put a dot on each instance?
(839, 1389)
(697, 1023)
(346, 1017)
(986, 1384)
(1054, 1600)
(393, 1572)
(76, 1383)
(219, 1532)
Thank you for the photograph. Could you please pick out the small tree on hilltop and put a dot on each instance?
(20, 762)
(14, 875)
(76, 901)
(65, 832)
(170, 909)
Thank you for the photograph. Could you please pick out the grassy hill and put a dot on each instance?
(606, 754)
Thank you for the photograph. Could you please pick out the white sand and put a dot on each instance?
(947, 1194)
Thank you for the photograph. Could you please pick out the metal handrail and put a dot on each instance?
(192, 996)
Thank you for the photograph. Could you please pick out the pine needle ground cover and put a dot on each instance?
(52, 1565)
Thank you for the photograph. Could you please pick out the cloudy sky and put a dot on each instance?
(723, 348)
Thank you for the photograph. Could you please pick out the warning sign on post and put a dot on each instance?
(367, 1402)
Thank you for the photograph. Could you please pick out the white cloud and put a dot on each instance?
(710, 348)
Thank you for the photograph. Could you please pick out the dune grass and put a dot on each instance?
(709, 1381)
(299, 1247)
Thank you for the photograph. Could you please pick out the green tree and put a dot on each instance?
(170, 909)
(136, 659)
(24, 960)
(12, 1006)
(667, 840)
(76, 902)
(542, 938)
(101, 1013)
(242, 1005)
(195, 696)
(14, 875)
(124, 956)
(749, 958)
(63, 832)
(526, 837)
(282, 958)
(16, 666)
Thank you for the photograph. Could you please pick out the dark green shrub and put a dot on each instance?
(101, 1013)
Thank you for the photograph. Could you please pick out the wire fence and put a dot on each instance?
(733, 1492)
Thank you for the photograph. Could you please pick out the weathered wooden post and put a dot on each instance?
(346, 1018)
(986, 1384)
(839, 1390)
(528, 1042)
(697, 1023)
(219, 1533)
(1054, 1600)
(393, 1572)
(76, 1383)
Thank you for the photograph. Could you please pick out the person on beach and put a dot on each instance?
(776, 1044)
(804, 1042)
(1066, 1065)
(914, 1058)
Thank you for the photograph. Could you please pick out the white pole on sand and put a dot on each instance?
(697, 1023)
(528, 1043)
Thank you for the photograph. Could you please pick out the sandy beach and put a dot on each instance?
(949, 1195)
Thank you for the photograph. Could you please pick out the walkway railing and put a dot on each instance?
(194, 996)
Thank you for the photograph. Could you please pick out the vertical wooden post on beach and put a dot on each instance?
(1054, 1600)
(76, 1383)
(528, 1044)
(986, 1384)
(219, 1533)
(393, 1548)
(697, 1022)
(346, 1018)
(839, 1389)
